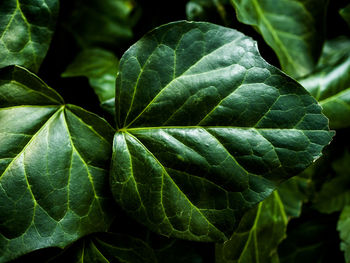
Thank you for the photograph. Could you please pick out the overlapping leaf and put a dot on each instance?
(107, 247)
(100, 67)
(206, 130)
(334, 194)
(26, 28)
(258, 235)
(53, 160)
(330, 84)
(311, 238)
(294, 29)
(101, 23)
(207, 10)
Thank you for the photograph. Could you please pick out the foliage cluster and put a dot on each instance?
(128, 137)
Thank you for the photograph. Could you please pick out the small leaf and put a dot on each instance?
(330, 83)
(344, 232)
(105, 248)
(53, 161)
(100, 67)
(26, 30)
(293, 29)
(207, 10)
(258, 234)
(345, 13)
(207, 130)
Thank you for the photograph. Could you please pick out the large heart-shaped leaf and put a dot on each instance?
(207, 128)
(330, 83)
(294, 29)
(26, 28)
(53, 160)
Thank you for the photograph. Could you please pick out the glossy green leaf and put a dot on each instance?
(53, 161)
(105, 248)
(294, 29)
(100, 67)
(345, 13)
(104, 23)
(206, 130)
(26, 28)
(330, 84)
(258, 234)
(344, 232)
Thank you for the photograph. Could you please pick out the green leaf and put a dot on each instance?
(258, 234)
(207, 130)
(335, 193)
(330, 83)
(26, 29)
(293, 29)
(104, 23)
(105, 248)
(344, 232)
(53, 167)
(100, 67)
(345, 13)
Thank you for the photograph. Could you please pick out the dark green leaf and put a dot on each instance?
(345, 13)
(293, 194)
(294, 29)
(258, 235)
(53, 160)
(311, 238)
(335, 193)
(26, 28)
(101, 23)
(100, 67)
(105, 248)
(207, 130)
(344, 232)
(330, 84)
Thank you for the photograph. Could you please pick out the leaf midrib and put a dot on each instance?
(275, 36)
(171, 179)
(59, 110)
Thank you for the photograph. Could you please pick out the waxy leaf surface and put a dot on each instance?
(26, 29)
(330, 83)
(294, 29)
(53, 160)
(207, 128)
(258, 235)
